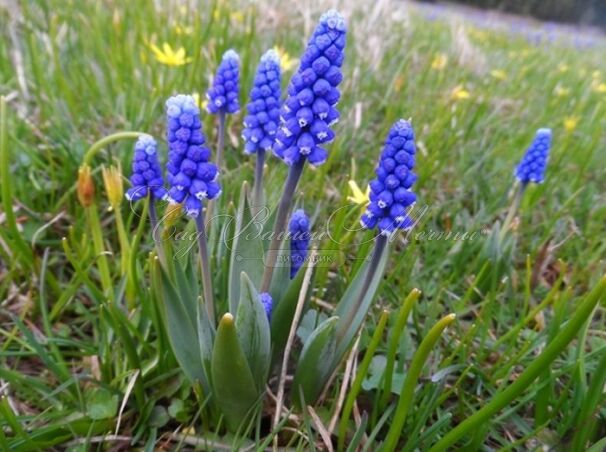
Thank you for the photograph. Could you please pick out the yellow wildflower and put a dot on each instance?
(286, 62)
(460, 93)
(184, 29)
(358, 197)
(596, 75)
(563, 67)
(439, 62)
(237, 16)
(570, 123)
(498, 74)
(201, 102)
(599, 87)
(169, 56)
(561, 91)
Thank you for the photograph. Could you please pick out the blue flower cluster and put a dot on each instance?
(533, 164)
(191, 175)
(264, 107)
(299, 234)
(268, 303)
(390, 194)
(309, 109)
(223, 95)
(147, 175)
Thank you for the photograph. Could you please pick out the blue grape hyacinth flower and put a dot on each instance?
(146, 178)
(263, 117)
(300, 236)
(310, 108)
(533, 164)
(268, 303)
(223, 95)
(390, 193)
(191, 175)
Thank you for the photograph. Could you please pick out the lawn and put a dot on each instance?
(88, 356)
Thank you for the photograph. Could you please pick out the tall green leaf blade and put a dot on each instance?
(182, 330)
(283, 313)
(253, 331)
(316, 362)
(350, 321)
(234, 387)
(246, 251)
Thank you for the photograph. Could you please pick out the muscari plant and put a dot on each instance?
(228, 334)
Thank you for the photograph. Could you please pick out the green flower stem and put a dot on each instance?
(394, 341)
(207, 282)
(24, 251)
(96, 147)
(135, 244)
(513, 209)
(412, 376)
(357, 383)
(125, 259)
(294, 174)
(258, 189)
(379, 249)
(97, 236)
(551, 352)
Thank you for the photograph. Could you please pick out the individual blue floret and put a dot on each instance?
(191, 175)
(298, 229)
(223, 95)
(390, 193)
(263, 117)
(309, 109)
(146, 178)
(533, 164)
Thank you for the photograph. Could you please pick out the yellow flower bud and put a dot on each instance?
(112, 179)
(86, 186)
(172, 213)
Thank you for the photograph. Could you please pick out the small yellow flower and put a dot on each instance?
(460, 93)
(498, 74)
(237, 16)
(563, 68)
(286, 62)
(596, 75)
(570, 123)
(201, 102)
(599, 87)
(169, 56)
(561, 91)
(358, 197)
(184, 30)
(112, 179)
(439, 62)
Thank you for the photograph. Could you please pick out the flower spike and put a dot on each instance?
(533, 164)
(298, 229)
(310, 108)
(146, 178)
(191, 174)
(223, 95)
(390, 193)
(264, 107)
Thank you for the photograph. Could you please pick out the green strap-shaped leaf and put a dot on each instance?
(316, 363)
(253, 331)
(234, 387)
(283, 313)
(280, 280)
(246, 251)
(182, 329)
(351, 315)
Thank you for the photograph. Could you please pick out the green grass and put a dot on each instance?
(77, 373)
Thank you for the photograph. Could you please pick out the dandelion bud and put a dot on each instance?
(112, 179)
(86, 186)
